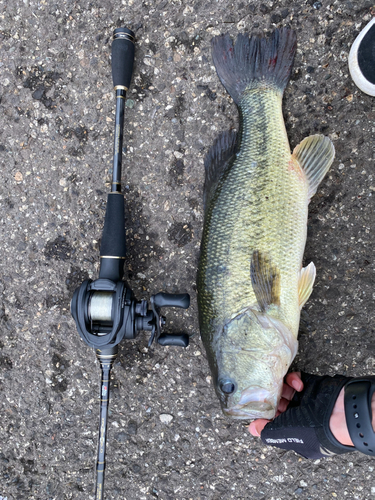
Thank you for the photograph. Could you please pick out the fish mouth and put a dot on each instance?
(251, 411)
(255, 402)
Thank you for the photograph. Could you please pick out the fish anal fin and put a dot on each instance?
(315, 155)
(265, 279)
(305, 283)
(216, 161)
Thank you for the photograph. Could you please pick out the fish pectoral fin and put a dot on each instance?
(315, 155)
(305, 283)
(216, 162)
(263, 319)
(265, 279)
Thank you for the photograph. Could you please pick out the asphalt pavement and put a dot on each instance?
(167, 437)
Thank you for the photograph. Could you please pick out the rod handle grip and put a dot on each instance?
(122, 57)
(113, 237)
(113, 246)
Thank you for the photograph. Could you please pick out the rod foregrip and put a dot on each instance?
(113, 246)
(122, 57)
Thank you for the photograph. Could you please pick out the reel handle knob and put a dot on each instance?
(181, 300)
(122, 57)
(181, 340)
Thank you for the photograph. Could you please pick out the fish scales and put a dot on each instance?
(258, 206)
(260, 200)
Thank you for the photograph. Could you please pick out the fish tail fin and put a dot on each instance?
(253, 61)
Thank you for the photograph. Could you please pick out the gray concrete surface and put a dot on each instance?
(56, 126)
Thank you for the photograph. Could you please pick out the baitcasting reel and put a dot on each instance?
(105, 310)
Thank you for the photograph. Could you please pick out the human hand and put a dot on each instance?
(311, 417)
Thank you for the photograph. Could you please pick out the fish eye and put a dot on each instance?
(227, 386)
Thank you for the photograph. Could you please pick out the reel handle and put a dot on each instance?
(122, 57)
(176, 340)
(181, 300)
(160, 300)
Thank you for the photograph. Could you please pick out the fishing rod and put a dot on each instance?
(105, 310)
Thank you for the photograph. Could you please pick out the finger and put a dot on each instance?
(288, 392)
(256, 427)
(293, 379)
(283, 405)
(292, 384)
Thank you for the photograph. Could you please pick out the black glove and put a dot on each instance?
(304, 426)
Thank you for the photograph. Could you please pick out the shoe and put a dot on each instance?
(362, 59)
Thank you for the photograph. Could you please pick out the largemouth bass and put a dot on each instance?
(251, 284)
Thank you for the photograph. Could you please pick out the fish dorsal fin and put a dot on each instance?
(265, 279)
(216, 161)
(305, 283)
(315, 155)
